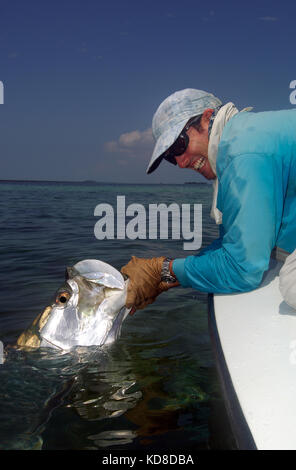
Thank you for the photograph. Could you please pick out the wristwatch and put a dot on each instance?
(166, 275)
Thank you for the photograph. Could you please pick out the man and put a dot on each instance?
(252, 157)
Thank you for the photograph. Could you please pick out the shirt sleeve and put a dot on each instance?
(217, 243)
(247, 201)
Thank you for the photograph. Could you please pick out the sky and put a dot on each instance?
(82, 79)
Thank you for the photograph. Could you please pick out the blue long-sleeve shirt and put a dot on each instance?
(256, 170)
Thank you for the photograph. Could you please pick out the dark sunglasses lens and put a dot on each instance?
(170, 158)
(178, 148)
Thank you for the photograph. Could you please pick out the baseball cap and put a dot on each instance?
(171, 117)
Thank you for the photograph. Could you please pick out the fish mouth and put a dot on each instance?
(31, 337)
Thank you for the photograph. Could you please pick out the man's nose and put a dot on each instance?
(182, 161)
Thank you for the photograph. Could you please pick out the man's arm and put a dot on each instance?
(251, 200)
(251, 213)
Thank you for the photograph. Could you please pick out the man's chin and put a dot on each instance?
(208, 174)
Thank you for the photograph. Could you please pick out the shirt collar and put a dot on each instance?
(212, 118)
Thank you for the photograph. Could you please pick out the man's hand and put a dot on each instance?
(144, 281)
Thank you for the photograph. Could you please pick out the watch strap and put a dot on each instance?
(166, 275)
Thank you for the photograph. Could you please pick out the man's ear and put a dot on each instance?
(206, 115)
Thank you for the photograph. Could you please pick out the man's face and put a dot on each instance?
(195, 156)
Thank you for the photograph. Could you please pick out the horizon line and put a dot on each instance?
(95, 182)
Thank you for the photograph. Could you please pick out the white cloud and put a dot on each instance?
(268, 18)
(132, 143)
(130, 139)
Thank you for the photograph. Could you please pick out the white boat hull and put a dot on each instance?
(254, 338)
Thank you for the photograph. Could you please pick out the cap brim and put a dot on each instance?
(163, 144)
(154, 165)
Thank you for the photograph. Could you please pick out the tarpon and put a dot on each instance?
(89, 309)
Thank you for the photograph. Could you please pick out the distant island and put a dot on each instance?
(195, 182)
(90, 182)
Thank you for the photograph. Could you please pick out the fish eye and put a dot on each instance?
(62, 298)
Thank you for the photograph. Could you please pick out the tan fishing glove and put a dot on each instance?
(145, 281)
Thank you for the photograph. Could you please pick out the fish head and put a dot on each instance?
(88, 309)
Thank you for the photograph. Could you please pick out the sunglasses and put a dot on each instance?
(178, 148)
(180, 145)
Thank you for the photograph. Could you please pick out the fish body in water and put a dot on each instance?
(89, 309)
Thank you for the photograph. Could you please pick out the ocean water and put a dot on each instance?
(156, 388)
